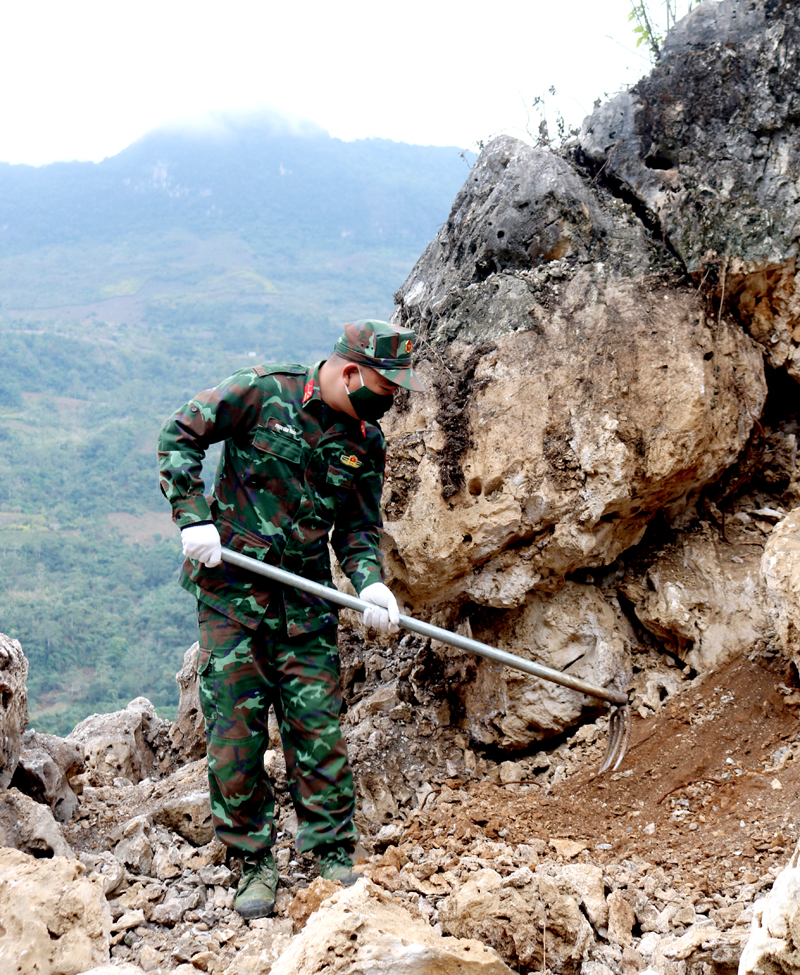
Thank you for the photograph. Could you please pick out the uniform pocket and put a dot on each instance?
(202, 660)
(274, 443)
(339, 478)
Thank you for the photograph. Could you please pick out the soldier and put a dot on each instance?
(302, 460)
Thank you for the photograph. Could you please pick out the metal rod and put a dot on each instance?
(425, 629)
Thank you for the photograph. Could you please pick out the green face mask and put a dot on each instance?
(368, 405)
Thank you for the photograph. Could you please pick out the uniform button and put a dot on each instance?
(195, 409)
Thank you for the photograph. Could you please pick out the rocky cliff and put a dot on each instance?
(602, 476)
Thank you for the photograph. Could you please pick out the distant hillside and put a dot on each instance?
(127, 286)
(276, 187)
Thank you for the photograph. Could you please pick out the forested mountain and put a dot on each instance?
(125, 287)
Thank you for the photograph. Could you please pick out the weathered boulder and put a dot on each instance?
(709, 147)
(119, 744)
(363, 929)
(774, 944)
(189, 815)
(519, 914)
(188, 733)
(576, 631)
(54, 920)
(780, 566)
(13, 705)
(46, 763)
(597, 402)
(704, 598)
(29, 826)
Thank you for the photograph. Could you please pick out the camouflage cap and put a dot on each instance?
(383, 347)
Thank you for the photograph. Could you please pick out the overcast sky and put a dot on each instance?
(83, 79)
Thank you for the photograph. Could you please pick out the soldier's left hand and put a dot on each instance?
(385, 615)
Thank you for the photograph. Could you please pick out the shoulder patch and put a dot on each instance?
(260, 371)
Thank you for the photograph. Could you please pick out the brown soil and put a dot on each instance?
(739, 818)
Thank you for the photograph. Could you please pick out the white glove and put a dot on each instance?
(385, 615)
(202, 543)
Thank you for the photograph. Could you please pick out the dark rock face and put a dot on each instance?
(522, 210)
(708, 151)
(708, 141)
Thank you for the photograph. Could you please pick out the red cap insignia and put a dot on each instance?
(308, 392)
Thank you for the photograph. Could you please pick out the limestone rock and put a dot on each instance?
(189, 815)
(708, 144)
(512, 920)
(29, 826)
(550, 448)
(126, 968)
(13, 705)
(188, 734)
(45, 766)
(575, 630)
(53, 919)
(134, 848)
(621, 918)
(704, 600)
(119, 744)
(307, 901)
(257, 952)
(774, 944)
(362, 929)
(780, 566)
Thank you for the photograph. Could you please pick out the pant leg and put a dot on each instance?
(235, 696)
(307, 705)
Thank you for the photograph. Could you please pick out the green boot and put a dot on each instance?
(256, 894)
(335, 863)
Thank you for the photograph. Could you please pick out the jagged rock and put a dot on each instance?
(704, 600)
(260, 949)
(550, 448)
(53, 919)
(362, 929)
(105, 867)
(621, 918)
(46, 764)
(119, 744)
(780, 566)
(13, 705)
(306, 902)
(188, 734)
(773, 947)
(708, 145)
(134, 848)
(512, 920)
(190, 816)
(29, 827)
(575, 630)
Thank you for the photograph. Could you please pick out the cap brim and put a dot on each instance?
(406, 378)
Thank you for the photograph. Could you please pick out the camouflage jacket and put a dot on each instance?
(291, 470)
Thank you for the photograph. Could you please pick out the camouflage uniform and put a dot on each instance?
(292, 471)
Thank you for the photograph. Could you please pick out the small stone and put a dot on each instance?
(568, 848)
(132, 919)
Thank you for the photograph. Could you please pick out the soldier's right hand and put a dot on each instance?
(202, 543)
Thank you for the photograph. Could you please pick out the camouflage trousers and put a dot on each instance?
(242, 672)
